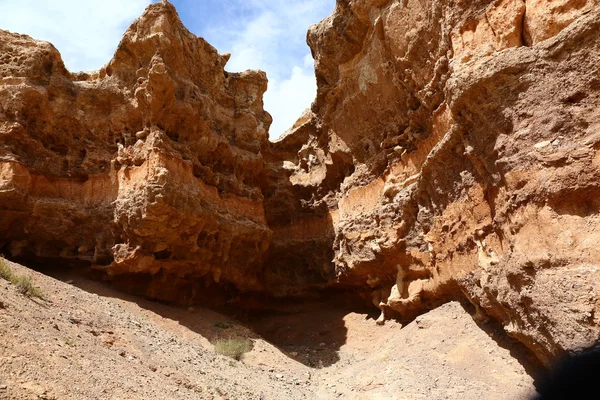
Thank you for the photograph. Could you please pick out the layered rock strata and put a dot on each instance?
(452, 152)
(454, 147)
(150, 166)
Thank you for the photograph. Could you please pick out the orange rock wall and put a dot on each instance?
(452, 152)
(149, 167)
(455, 146)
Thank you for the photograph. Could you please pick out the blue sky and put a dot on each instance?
(260, 34)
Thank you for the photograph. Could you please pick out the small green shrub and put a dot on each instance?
(233, 347)
(6, 272)
(24, 286)
(22, 282)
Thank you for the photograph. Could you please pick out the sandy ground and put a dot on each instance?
(88, 341)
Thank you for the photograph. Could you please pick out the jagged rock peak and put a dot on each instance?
(160, 35)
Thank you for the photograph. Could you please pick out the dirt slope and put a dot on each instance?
(87, 341)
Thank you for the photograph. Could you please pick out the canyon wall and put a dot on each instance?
(456, 146)
(149, 169)
(452, 152)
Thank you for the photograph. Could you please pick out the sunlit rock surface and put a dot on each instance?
(452, 153)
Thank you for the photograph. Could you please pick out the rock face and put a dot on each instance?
(152, 165)
(452, 152)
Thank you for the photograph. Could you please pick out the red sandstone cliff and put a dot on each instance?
(455, 147)
(452, 152)
(152, 165)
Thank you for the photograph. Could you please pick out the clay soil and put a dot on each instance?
(89, 341)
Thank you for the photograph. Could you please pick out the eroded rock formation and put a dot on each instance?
(452, 152)
(152, 165)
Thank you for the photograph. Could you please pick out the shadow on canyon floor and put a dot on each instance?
(309, 332)
(518, 350)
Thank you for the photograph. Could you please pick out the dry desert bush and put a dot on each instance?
(234, 347)
(22, 282)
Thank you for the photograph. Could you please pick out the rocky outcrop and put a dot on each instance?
(452, 152)
(151, 165)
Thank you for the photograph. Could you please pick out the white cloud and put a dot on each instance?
(274, 40)
(288, 98)
(85, 32)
